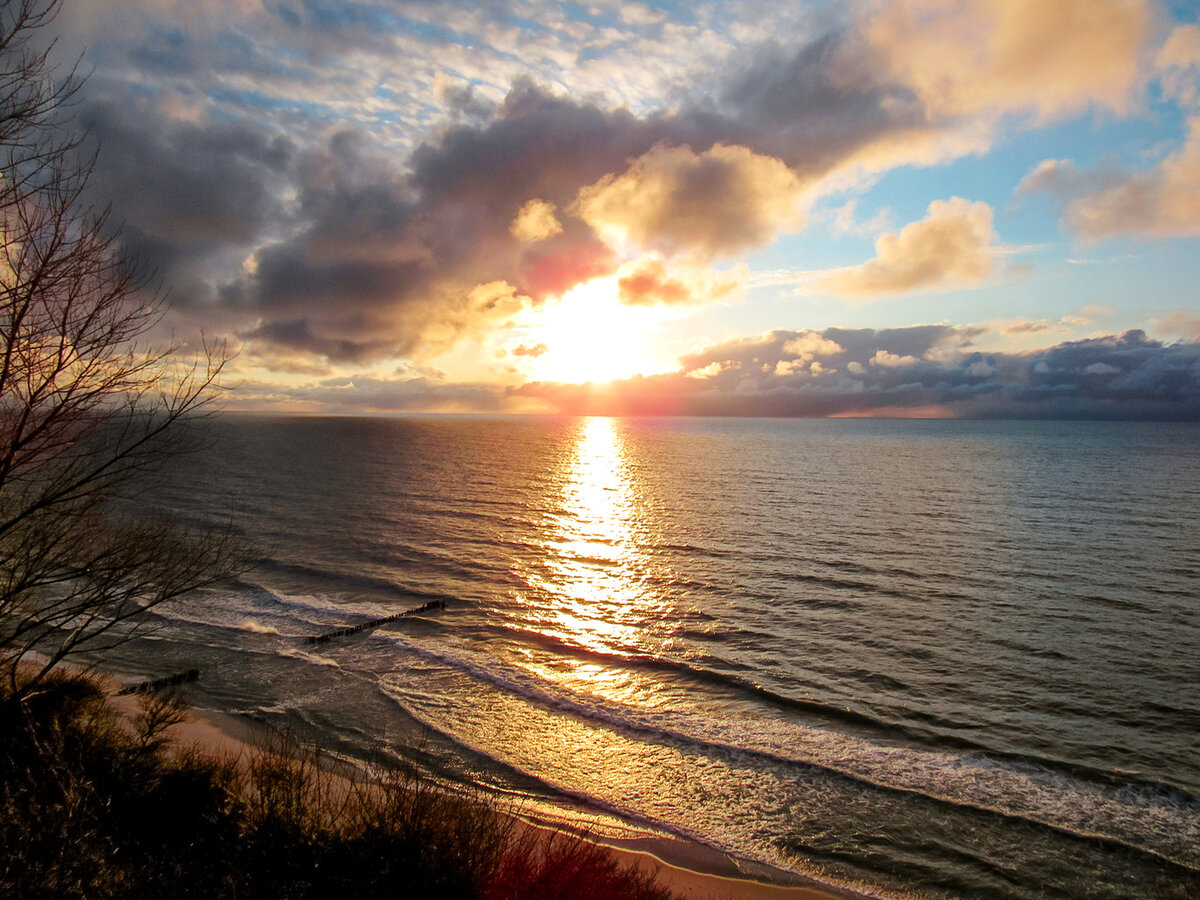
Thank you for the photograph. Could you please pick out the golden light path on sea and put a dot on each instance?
(594, 578)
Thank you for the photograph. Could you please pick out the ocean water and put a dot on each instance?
(915, 658)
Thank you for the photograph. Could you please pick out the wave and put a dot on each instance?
(315, 612)
(308, 656)
(343, 582)
(257, 627)
(941, 733)
(743, 686)
(627, 813)
(1146, 818)
(223, 608)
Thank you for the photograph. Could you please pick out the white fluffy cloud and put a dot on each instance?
(951, 247)
(810, 344)
(885, 360)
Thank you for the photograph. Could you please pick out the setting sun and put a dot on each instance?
(590, 335)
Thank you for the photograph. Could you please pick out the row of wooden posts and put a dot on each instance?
(193, 674)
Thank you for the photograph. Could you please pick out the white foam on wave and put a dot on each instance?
(1168, 826)
(648, 784)
(255, 609)
(257, 627)
(306, 656)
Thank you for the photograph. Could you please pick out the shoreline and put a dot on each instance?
(692, 870)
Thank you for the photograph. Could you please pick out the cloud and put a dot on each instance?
(530, 350)
(375, 167)
(886, 360)
(819, 105)
(1025, 327)
(301, 364)
(834, 348)
(930, 370)
(1178, 64)
(1181, 323)
(371, 393)
(183, 187)
(710, 205)
(462, 99)
(1162, 201)
(810, 345)
(647, 283)
(842, 220)
(355, 251)
(652, 281)
(1126, 376)
(951, 247)
(535, 222)
(496, 300)
(385, 262)
(965, 57)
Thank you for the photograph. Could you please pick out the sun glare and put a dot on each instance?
(591, 336)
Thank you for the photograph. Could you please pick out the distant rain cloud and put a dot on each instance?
(931, 369)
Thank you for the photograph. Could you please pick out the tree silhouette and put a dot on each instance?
(87, 404)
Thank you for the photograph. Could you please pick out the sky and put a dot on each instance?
(978, 208)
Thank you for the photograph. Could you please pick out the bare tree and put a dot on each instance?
(86, 405)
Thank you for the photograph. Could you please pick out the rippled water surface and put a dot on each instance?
(932, 658)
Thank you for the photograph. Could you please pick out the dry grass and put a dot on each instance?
(96, 805)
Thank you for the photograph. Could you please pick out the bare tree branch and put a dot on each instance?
(86, 407)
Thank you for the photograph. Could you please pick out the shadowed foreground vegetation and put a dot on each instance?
(96, 804)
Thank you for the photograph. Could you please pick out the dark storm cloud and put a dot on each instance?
(184, 191)
(812, 106)
(930, 370)
(464, 103)
(369, 252)
(420, 239)
(388, 257)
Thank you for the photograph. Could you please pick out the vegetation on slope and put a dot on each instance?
(96, 804)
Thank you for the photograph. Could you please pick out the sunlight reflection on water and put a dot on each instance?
(941, 653)
(592, 581)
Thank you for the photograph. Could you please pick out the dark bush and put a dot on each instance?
(98, 805)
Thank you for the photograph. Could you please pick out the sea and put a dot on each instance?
(904, 658)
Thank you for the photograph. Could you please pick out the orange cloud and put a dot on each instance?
(707, 205)
(1181, 323)
(649, 284)
(494, 302)
(535, 222)
(950, 247)
(969, 56)
(886, 360)
(550, 269)
(530, 350)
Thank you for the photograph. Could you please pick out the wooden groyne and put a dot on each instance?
(146, 687)
(374, 623)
